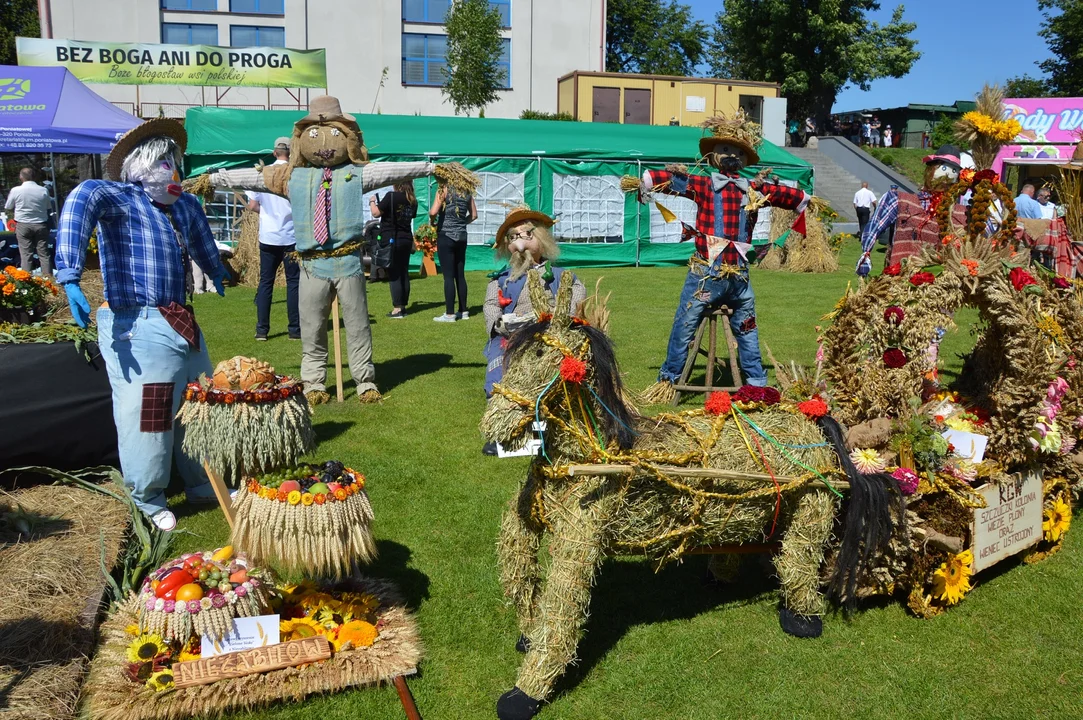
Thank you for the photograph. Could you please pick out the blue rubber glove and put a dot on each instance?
(219, 281)
(80, 308)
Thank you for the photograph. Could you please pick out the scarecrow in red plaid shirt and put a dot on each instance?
(718, 269)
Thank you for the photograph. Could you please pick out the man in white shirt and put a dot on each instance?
(276, 241)
(1049, 210)
(864, 203)
(31, 204)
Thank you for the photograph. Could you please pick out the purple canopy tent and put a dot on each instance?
(46, 109)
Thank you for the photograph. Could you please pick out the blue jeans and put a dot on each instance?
(149, 364)
(270, 257)
(704, 290)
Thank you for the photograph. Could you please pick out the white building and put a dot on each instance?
(543, 40)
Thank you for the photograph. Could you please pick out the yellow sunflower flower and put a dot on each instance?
(161, 680)
(1057, 520)
(302, 628)
(146, 647)
(951, 581)
(186, 656)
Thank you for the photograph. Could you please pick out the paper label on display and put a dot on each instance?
(969, 446)
(1011, 520)
(531, 448)
(247, 633)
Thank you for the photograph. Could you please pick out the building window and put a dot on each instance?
(189, 34)
(259, 7)
(685, 210)
(504, 6)
(505, 61)
(202, 5)
(425, 11)
(423, 59)
(590, 208)
(253, 36)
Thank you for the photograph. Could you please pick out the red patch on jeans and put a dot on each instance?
(156, 414)
(749, 324)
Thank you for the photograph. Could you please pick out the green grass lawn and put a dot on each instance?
(661, 646)
(904, 160)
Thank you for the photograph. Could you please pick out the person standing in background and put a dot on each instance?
(397, 210)
(451, 212)
(874, 131)
(810, 128)
(887, 137)
(31, 204)
(866, 132)
(864, 204)
(276, 242)
(1026, 206)
(1049, 210)
(792, 129)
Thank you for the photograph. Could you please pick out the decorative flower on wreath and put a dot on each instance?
(922, 278)
(1057, 520)
(718, 403)
(894, 269)
(908, 480)
(813, 409)
(753, 394)
(1020, 278)
(951, 581)
(1061, 283)
(146, 647)
(573, 370)
(894, 315)
(894, 358)
(867, 460)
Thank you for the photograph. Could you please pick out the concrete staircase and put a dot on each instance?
(831, 182)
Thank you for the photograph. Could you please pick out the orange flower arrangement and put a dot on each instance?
(357, 632)
(22, 291)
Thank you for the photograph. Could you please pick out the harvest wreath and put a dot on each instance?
(312, 519)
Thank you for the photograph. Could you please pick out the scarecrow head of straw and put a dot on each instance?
(327, 137)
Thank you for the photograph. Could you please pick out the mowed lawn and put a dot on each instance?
(658, 645)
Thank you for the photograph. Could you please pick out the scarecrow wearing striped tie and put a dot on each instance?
(325, 179)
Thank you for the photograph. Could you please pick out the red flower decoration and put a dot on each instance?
(1020, 278)
(987, 174)
(922, 278)
(573, 369)
(813, 409)
(718, 403)
(893, 269)
(894, 358)
(753, 393)
(894, 315)
(1062, 283)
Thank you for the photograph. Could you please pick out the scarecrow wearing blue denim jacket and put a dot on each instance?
(149, 231)
(325, 179)
(718, 269)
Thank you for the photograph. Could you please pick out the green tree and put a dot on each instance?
(812, 48)
(944, 134)
(474, 47)
(17, 17)
(658, 37)
(1063, 32)
(1025, 86)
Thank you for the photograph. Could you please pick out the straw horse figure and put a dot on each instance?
(562, 371)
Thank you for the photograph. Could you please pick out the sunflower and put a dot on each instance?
(951, 581)
(1057, 520)
(161, 680)
(186, 656)
(300, 628)
(867, 461)
(146, 647)
(358, 633)
(132, 630)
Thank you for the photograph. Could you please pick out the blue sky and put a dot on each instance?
(1000, 35)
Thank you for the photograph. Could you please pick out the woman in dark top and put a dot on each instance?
(451, 212)
(396, 211)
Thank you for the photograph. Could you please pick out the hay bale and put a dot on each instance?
(812, 253)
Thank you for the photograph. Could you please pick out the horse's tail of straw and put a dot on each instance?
(870, 520)
(594, 309)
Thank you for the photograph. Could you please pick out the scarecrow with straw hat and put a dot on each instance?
(525, 241)
(718, 269)
(149, 231)
(327, 174)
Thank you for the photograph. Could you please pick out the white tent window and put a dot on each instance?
(498, 193)
(683, 208)
(588, 209)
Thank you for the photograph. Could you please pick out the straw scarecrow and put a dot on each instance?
(525, 240)
(646, 487)
(148, 233)
(325, 179)
(718, 269)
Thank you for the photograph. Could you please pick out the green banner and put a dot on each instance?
(208, 65)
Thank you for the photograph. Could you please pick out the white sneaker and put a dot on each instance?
(464, 315)
(444, 318)
(164, 520)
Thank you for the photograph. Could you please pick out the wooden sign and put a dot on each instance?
(1011, 521)
(247, 662)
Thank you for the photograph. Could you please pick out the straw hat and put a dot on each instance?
(737, 131)
(518, 216)
(325, 109)
(158, 127)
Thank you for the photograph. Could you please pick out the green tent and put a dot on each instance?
(570, 170)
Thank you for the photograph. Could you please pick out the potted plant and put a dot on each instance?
(23, 296)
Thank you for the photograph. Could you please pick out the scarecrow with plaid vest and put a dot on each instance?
(726, 207)
(148, 233)
(325, 179)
